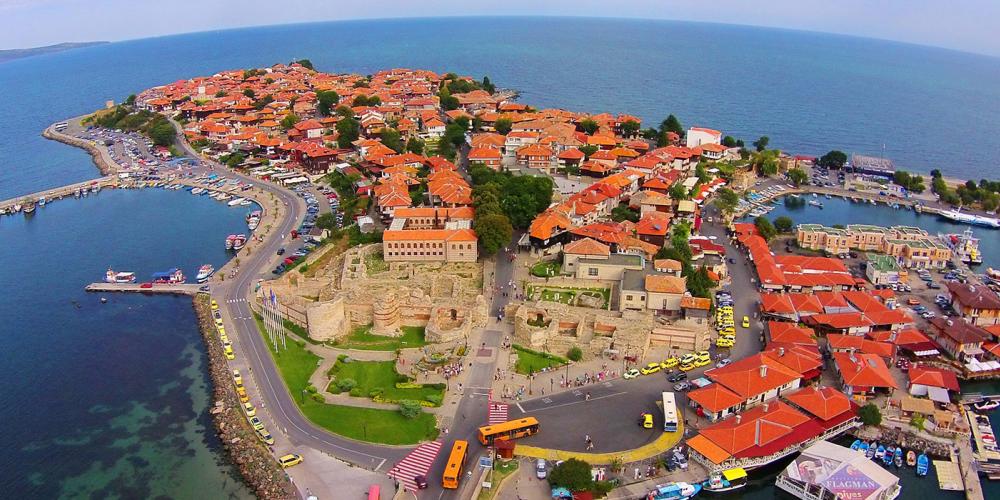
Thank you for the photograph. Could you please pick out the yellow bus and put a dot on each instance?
(508, 430)
(456, 465)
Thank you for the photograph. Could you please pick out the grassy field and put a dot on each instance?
(375, 263)
(296, 365)
(502, 470)
(544, 268)
(567, 295)
(529, 361)
(382, 375)
(362, 338)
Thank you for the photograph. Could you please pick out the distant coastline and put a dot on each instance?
(12, 54)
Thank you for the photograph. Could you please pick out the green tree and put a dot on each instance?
(588, 150)
(363, 100)
(305, 63)
(729, 141)
(326, 221)
(415, 145)
(488, 85)
(699, 284)
(162, 133)
(784, 224)
(798, 176)
(573, 474)
(410, 408)
(761, 143)
(623, 212)
(263, 102)
(767, 230)
(345, 111)
(448, 101)
(870, 414)
(494, 231)
(833, 159)
(630, 128)
(589, 126)
(289, 121)
(391, 138)
(348, 131)
(678, 191)
(249, 93)
(130, 100)
(234, 160)
(672, 124)
(503, 125)
(574, 354)
(326, 101)
(726, 200)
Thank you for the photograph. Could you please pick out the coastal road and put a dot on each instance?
(253, 356)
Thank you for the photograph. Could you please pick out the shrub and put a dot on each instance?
(870, 414)
(408, 385)
(343, 358)
(435, 399)
(573, 474)
(377, 392)
(318, 398)
(410, 408)
(574, 354)
(356, 392)
(311, 388)
(346, 384)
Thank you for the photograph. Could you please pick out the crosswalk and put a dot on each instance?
(418, 462)
(497, 411)
(233, 301)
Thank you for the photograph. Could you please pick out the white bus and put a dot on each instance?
(669, 412)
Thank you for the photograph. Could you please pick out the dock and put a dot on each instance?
(948, 475)
(7, 206)
(167, 288)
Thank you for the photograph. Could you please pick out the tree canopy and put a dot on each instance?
(573, 474)
(326, 100)
(494, 231)
(289, 121)
(767, 230)
(833, 159)
(306, 63)
(390, 138)
(784, 224)
(870, 414)
(364, 100)
(520, 197)
(503, 125)
(798, 176)
(761, 143)
(671, 124)
(589, 126)
(630, 128)
(348, 131)
(726, 200)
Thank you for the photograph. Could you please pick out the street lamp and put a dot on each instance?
(303, 396)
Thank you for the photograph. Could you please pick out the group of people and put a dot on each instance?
(451, 370)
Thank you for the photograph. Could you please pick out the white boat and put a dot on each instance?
(986, 406)
(239, 241)
(253, 223)
(815, 203)
(197, 190)
(727, 480)
(229, 241)
(967, 218)
(245, 202)
(112, 277)
(205, 272)
(673, 491)
(236, 201)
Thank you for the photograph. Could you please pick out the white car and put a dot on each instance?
(631, 373)
(723, 362)
(540, 470)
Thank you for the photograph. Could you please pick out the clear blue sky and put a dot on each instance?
(968, 25)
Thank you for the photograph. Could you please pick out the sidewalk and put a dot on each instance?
(664, 443)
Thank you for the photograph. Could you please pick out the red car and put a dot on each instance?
(146, 285)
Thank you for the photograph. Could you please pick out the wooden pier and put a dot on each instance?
(167, 288)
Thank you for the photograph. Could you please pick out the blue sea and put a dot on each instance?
(112, 398)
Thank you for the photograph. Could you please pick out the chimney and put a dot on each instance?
(781, 351)
(763, 370)
(738, 418)
(766, 406)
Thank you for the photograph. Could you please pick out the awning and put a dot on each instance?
(938, 394)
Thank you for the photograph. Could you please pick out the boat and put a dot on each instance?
(253, 219)
(923, 463)
(41, 201)
(814, 195)
(205, 272)
(673, 491)
(829, 197)
(112, 277)
(856, 445)
(887, 456)
(897, 458)
(229, 241)
(29, 206)
(245, 203)
(864, 448)
(239, 241)
(197, 190)
(967, 218)
(235, 201)
(965, 246)
(172, 275)
(727, 480)
(870, 452)
(815, 203)
(986, 405)
(911, 458)
(880, 452)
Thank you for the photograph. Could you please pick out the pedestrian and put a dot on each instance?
(636, 475)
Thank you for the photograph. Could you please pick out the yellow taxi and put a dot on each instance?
(218, 322)
(265, 436)
(687, 366)
(646, 420)
(650, 368)
(724, 342)
(227, 348)
(289, 460)
(727, 331)
(249, 409)
(256, 423)
(242, 393)
(703, 358)
(669, 363)
(222, 331)
(215, 305)
(746, 322)
(688, 358)
(237, 378)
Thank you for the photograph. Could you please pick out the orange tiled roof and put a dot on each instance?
(823, 402)
(665, 284)
(864, 370)
(587, 246)
(753, 375)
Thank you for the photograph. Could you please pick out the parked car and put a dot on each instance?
(677, 377)
(681, 386)
(540, 469)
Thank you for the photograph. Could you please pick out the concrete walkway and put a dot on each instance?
(664, 443)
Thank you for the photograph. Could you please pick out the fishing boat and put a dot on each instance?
(41, 201)
(76, 194)
(205, 272)
(229, 241)
(964, 245)
(245, 202)
(673, 491)
(239, 241)
(727, 480)
(870, 452)
(911, 458)
(112, 277)
(986, 405)
(897, 458)
(235, 201)
(815, 203)
(29, 207)
(864, 448)
(887, 456)
(17, 207)
(253, 219)
(172, 275)
(856, 445)
(197, 190)
(880, 452)
(923, 463)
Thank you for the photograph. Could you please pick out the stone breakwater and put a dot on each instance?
(256, 464)
(105, 165)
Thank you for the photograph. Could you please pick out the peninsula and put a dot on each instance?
(11, 54)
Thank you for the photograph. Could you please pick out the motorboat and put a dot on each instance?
(856, 445)
(986, 405)
(880, 452)
(864, 448)
(236, 201)
(239, 241)
(173, 275)
(887, 456)
(205, 272)
(727, 480)
(229, 241)
(911, 458)
(870, 452)
(897, 458)
(245, 202)
(673, 491)
(124, 277)
(923, 463)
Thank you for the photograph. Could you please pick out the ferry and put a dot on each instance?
(236, 201)
(965, 246)
(112, 277)
(967, 218)
(229, 241)
(239, 241)
(727, 480)
(172, 275)
(204, 273)
(674, 491)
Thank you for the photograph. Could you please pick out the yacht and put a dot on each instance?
(205, 272)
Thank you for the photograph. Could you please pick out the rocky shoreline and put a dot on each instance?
(256, 464)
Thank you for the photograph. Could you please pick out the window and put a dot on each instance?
(592, 271)
(628, 297)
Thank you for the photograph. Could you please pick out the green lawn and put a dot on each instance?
(567, 295)
(529, 361)
(545, 268)
(501, 471)
(296, 365)
(362, 338)
(375, 263)
(371, 375)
